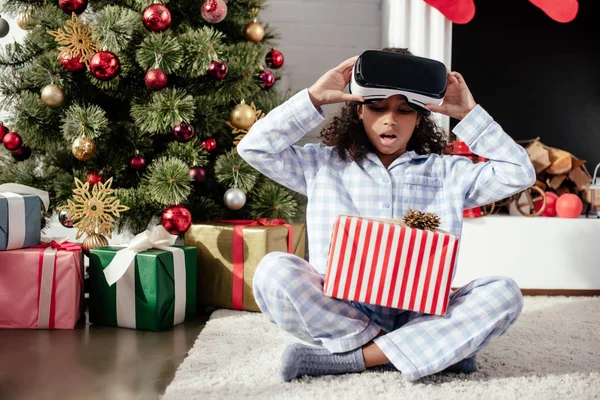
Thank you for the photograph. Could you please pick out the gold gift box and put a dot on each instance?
(215, 257)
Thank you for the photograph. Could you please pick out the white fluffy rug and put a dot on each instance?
(552, 352)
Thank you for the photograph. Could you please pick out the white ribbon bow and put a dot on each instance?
(122, 271)
(16, 211)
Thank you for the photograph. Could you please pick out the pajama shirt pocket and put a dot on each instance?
(423, 193)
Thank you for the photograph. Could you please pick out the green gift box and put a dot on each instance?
(147, 296)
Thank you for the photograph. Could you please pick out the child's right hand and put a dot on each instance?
(330, 87)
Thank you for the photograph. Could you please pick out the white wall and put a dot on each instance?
(317, 35)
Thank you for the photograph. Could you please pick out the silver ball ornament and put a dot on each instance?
(234, 198)
(4, 27)
(64, 219)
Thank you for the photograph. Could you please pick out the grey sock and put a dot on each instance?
(467, 366)
(299, 360)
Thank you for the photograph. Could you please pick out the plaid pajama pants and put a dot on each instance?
(289, 291)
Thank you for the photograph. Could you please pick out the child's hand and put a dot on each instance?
(458, 101)
(330, 87)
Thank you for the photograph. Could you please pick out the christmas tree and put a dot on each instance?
(153, 95)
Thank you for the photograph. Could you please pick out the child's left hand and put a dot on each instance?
(458, 101)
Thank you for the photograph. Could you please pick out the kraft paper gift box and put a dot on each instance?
(229, 252)
(386, 263)
(20, 215)
(41, 287)
(148, 285)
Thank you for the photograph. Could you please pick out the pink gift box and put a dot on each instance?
(41, 287)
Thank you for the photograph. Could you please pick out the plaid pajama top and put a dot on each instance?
(444, 185)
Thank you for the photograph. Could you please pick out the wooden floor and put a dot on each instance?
(92, 362)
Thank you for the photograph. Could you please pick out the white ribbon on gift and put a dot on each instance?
(46, 284)
(16, 211)
(121, 270)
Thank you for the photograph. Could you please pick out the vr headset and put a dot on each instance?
(378, 75)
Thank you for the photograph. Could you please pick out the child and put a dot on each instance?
(384, 160)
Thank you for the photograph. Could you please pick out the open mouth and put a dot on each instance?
(388, 137)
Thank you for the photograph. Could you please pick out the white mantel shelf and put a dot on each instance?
(537, 252)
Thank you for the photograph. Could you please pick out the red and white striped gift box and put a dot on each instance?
(386, 263)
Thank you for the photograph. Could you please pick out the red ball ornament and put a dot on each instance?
(569, 205)
(214, 11)
(22, 153)
(550, 210)
(156, 79)
(183, 132)
(71, 64)
(137, 162)
(92, 178)
(3, 131)
(73, 6)
(197, 174)
(156, 18)
(266, 79)
(104, 65)
(176, 219)
(274, 59)
(12, 141)
(218, 69)
(209, 144)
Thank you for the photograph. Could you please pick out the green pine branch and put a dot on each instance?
(201, 47)
(116, 27)
(168, 181)
(165, 109)
(160, 50)
(272, 201)
(84, 120)
(232, 171)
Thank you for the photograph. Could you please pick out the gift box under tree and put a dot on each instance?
(229, 252)
(20, 215)
(148, 285)
(406, 264)
(41, 287)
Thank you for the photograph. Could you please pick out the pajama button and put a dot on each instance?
(386, 205)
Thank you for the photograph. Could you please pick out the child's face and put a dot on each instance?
(389, 125)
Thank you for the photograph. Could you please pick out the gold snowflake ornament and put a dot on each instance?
(94, 210)
(259, 114)
(77, 40)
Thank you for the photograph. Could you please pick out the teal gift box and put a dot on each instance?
(149, 296)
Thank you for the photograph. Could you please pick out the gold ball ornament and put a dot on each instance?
(242, 116)
(83, 148)
(24, 20)
(52, 96)
(254, 32)
(93, 241)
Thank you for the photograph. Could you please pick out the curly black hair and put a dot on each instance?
(347, 133)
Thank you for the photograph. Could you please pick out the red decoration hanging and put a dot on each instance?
(12, 141)
(156, 18)
(183, 132)
(3, 131)
(209, 144)
(274, 59)
(22, 153)
(156, 79)
(137, 162)
(104, 65)
(71, 64)
(214, 11)
(198, 174)
(93, 177)
(558, 10)
(463, 11)
(218, 69)
(266, 79)
(176, 219)
(73, 6)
